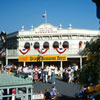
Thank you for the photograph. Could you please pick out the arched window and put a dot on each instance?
(36, 45)
(55, 44)
(27, 45)
(46, 45)
(65, 44)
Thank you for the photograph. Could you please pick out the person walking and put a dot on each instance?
(54, 92)
(47, 95)
(53, 78)
(42, 95)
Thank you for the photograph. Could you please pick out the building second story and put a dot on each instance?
(47, 39)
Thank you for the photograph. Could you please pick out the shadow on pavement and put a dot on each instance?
(64, 97)
(60, 79)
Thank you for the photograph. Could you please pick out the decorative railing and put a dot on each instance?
(16, 86)
(11, 53)
(31, 52)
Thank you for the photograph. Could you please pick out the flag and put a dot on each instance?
(44, 15)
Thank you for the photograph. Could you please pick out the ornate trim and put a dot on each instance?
(61, 50)
(24, 51)
(44, 50)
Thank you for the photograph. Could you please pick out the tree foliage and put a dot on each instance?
(90, 72)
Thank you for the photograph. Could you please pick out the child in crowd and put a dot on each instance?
(35, 77)
(54, 92)
(47, 95)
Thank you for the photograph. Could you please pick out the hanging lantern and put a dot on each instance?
(27, 45)
(80, 44)
(55, 44)
(36, 45)
(65, 44)
(46, 45)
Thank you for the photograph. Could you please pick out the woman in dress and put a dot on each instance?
(53, 77)
(35, 76)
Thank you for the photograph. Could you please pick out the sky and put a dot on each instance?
(17, 13)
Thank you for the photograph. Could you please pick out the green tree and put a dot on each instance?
(90, 72)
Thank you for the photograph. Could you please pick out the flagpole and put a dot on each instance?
(46, 17)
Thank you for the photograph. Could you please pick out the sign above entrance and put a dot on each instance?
(46, 28)
(42, 58)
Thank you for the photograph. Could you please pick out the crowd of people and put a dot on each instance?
(49, 73)
(35, 73)
(46, 74)
(70, 74)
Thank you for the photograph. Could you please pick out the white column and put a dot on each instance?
(24, 63)
(26, 94)
(61, 67)
(8, 93)
(42, 64)
(6, 56)
(80, 62)
(6, 61)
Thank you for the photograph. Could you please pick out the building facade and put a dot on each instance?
(47, 44)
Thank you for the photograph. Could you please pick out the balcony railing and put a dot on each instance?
(11, 53)
(16, 53)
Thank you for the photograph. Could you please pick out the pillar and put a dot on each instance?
(8, 93)
(80, 62)
(24, 63)
(61, 67)
(6, 61)
(42, 64)
(31, 93)
(16, 91)
(6, 56)
(26, 94)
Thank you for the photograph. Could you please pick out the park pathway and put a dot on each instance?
(66, 91)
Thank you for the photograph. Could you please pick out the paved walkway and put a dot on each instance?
(66, 91)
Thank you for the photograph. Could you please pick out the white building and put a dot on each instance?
(47, 44)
